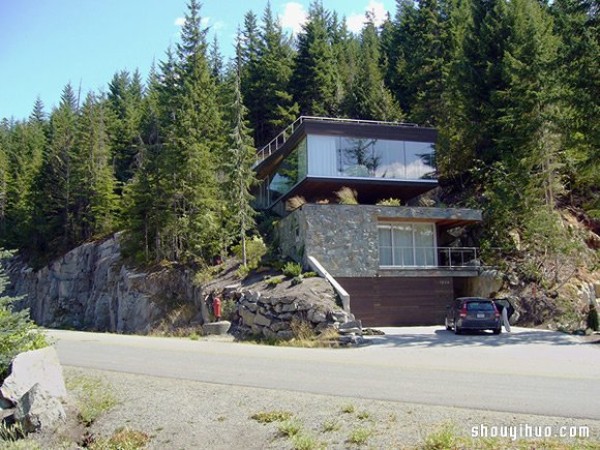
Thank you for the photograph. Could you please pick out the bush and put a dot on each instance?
(255, 250)
(389, 202)
(292, 269)
(273, 281)
(592, 318)
(17, 332)
(347, 196)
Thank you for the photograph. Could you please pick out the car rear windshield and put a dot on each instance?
(480, 306)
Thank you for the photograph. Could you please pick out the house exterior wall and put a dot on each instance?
(344, 238)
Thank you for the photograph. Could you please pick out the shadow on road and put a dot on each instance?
(440, 337)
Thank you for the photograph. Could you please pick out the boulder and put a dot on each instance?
(316, 316)
(218, 328)
(35, 367)
(247, 316)
(38, 410)
(262, 321)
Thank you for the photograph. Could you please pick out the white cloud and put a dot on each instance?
(179, 21)
(293, 17)
(355, 22)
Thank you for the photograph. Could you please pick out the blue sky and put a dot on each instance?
(46, 43)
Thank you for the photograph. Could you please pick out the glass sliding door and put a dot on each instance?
(407, 245)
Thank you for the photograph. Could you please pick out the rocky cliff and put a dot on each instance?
(91, 288)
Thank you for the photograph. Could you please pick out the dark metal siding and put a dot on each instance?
(396, 302)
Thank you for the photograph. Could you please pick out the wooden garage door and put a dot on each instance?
(388, 301)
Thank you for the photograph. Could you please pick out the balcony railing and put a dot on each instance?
(282, 137)
(435, 257)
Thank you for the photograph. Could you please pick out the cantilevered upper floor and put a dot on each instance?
(314, 157)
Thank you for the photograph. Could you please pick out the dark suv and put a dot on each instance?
(473, 313)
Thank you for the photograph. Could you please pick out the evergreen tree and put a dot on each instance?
(315, 78)
(191, 146)
(124, 100)
(369, 98)
(52, 198)
(577, 24)
(240, 176)
(94, 199)
(269, 73)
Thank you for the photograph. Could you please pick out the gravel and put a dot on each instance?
(179, 414)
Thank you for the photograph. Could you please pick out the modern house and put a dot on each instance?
(400, 265)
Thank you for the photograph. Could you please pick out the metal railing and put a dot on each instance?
(278, 141)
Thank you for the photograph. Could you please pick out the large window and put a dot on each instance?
(290, 172)
(337, 156)
(407, 245)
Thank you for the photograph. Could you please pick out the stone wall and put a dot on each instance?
(91, 288)
(344, 238)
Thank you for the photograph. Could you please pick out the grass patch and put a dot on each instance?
(11, 433)
(363, 415)
(274, 281)
(290, 428)
(271, 416)
(24, 444)
(360, 436)
(348, 409)
(122, 439)
(93, 397)
(303, 441)
(331, 425)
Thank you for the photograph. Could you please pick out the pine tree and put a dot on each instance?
(315, 78)
(269, 72)
(94, 199)
(240, 176)
(192, 142)
(124, 100)
(52, 198)
(369, 97)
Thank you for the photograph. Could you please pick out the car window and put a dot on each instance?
(480, 306)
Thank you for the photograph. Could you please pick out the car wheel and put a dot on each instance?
(448, 327)
(497, 330)
(457, 330)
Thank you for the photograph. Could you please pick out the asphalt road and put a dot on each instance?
(527, 371)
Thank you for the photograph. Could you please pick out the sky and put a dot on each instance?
(44, 44)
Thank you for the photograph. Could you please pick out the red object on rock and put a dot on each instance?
(217, 308)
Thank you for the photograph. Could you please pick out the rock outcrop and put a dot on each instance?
(91, 288)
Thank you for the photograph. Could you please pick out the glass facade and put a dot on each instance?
(407, 245)
(337, 156)
(348, 157)
(292, 170)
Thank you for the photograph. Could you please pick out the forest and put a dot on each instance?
(512, 86)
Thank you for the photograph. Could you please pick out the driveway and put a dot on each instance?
(527, 371)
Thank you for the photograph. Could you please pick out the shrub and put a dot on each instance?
(273, 281)
(290, 427)
(592, 318)
(294, 203)
(389, 202)
(272, 416)
(347, 196)
(360, 436)
(255, 250)
(292, 269)
(18, 333)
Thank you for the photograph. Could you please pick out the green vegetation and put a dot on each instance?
(271, 416)
(331, 425)
(273, 281)
(122, 439)
(290, 427)
(292, 269)
(360, 436)
(93, 396)
(17, 332)
(347, 196)
(390, 202)
(349, 408)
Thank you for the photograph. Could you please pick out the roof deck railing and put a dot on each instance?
(278, 141)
